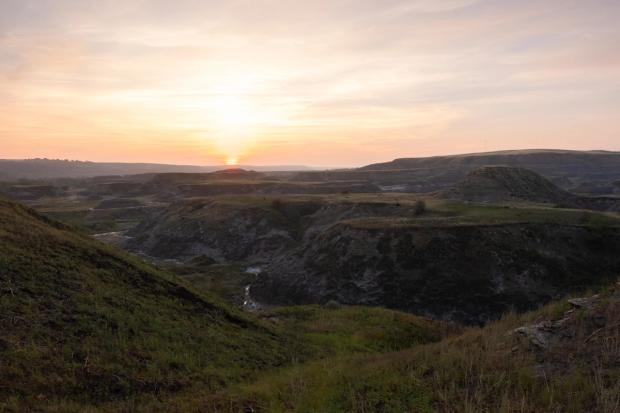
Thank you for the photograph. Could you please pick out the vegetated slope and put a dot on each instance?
(338, 330)
(82, 323)
(507, 184)
(593, 164)
(562, 358)
(501, 183)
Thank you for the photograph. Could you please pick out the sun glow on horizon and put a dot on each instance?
(323, 83)
(238, 113)
(234, 114)
(232, 161)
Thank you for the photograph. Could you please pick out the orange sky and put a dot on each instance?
(323, 83)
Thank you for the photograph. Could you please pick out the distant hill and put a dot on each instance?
(565, 168)
(503, 183)
(543, 161)
(507, 184)
(586, 172)
(82, 321)
(11, 169)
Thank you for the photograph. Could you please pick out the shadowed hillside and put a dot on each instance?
(501, 184)
(497, 184)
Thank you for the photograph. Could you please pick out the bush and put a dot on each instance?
(419, 207)
(277, 204)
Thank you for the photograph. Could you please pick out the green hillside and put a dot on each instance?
(562, 358)
(84, 323)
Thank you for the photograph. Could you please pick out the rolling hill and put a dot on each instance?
(14, 169)
(547, 162)
(502, 183)
(561, 358)
(506, 184)
(587, 172)
(83, 323)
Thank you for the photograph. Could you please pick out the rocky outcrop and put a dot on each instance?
(257, 229)
(465, 273)
(585, 335)
(224, 232)
(544, 333)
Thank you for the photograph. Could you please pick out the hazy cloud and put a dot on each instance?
(389, 78)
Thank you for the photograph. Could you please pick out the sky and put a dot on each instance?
(321, 83)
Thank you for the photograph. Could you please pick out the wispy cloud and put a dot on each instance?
(353, 80)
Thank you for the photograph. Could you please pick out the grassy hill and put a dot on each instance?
(544, 161)
(504, 184)
(84, 323)
(562, 358)
(501, 184)
(587, 172)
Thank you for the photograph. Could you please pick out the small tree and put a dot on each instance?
(277, 204)
(419, 208)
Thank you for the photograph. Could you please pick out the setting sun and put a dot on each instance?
(232, 161)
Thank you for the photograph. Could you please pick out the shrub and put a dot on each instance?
(277, 204)
(419, 207)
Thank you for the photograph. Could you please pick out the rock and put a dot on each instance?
(332, 305)
(538, 335)
(582, 302)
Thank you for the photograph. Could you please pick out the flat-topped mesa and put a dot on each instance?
(505, 183)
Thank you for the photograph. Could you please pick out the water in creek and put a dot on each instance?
(248, 302)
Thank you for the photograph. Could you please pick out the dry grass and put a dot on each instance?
(482, 370)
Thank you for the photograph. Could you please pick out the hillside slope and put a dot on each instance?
(81, 322)
(511, 184)
(562, 358)
(546, 162)
(502, 183)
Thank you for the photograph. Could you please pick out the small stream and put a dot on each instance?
(115, 238)
(249, 303)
